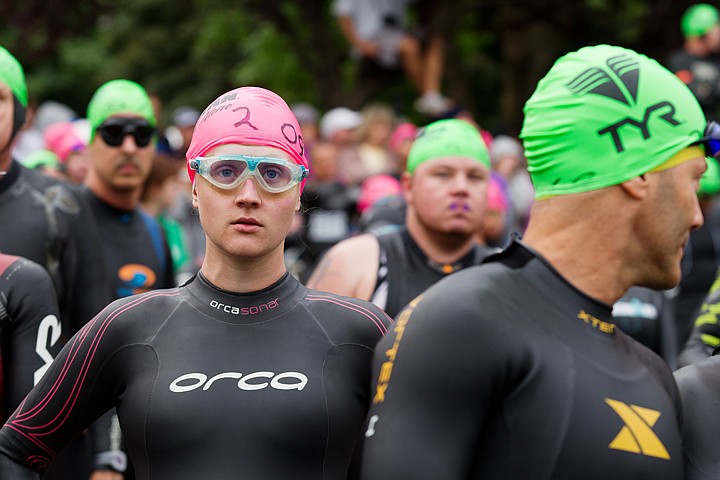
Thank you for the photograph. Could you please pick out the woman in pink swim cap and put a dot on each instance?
(240, 371)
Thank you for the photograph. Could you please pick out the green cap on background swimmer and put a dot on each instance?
(117, 97)
(710, 181)
(447, 138)
(699, 20)
(603, 115)
(12, 75)
(42, 158)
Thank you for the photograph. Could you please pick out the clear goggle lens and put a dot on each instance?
(229, 171)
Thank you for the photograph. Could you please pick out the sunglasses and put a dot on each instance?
(711, 140)
(114, 131)
(228, 171)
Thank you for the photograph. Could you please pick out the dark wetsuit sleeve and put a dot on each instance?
(418, 427)
(31, 338)
(81, 384)
(705, 335)
(699, 386)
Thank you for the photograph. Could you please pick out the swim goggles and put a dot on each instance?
(229, 171)
(711, 140)
(113, 131)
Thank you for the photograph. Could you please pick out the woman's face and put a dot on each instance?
(245, 221)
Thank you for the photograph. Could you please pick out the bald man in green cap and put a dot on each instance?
(123, 135)
(696, 63)
(514, 369)
(445, 187)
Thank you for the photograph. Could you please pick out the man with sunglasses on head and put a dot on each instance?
(136, 255)
(514, 368)
(48, 222)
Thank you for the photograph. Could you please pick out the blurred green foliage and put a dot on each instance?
(190, 52)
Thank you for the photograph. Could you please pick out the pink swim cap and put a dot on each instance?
(376, 187)
(497, 196)
(63, 139)
(404, 131)
(248, 116)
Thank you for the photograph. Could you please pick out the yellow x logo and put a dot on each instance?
(637, 435)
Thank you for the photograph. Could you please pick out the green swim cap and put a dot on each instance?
(42, 158)
(447, 138)
(603, 115)
(710, 181)
(116, 97)
(698, 20)
(12, 75)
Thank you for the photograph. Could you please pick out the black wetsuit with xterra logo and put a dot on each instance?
(29, 329)
(211, 384)
(405, 271)
(506, 371)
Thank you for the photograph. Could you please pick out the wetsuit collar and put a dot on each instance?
(244, 308)
(467, 260)
(518, 254)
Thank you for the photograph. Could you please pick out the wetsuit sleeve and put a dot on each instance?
(426, 414)
(81, 384)
(705, 335)
(33, 333)
(699, 386)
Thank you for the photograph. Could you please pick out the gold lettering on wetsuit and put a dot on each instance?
(603, 326)
(391, 354)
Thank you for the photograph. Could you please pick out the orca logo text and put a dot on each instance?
(250, 381)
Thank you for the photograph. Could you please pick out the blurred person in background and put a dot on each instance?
(135, 252)
(697, 63)
(701, 260)
(64, 139)
(159, 195)
(46, 162)
(445, 188)
(338, 126)
(373, 136)
(180, 132)
(376, 30)
(508, 160)
(399, 144)
(307, 116)
(46, 221)
(495, 229)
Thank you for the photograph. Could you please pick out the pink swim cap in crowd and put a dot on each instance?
(248, 116)
(63, 139)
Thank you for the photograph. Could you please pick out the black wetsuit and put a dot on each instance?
(29, 329)
(506, 371)
(47, 221)
(137, 257)
(405, 271)
(210, 384)
(699, 386)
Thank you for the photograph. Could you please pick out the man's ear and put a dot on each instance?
(637, 187)
(406, 180)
